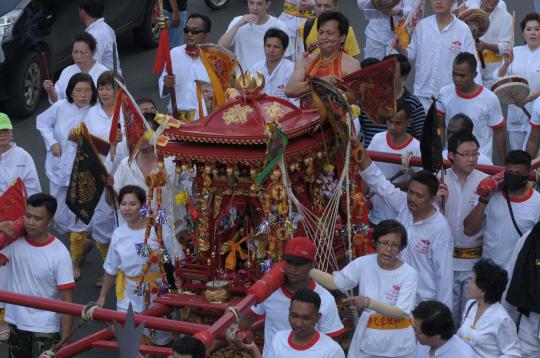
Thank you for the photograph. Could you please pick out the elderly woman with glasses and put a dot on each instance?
(386, 295)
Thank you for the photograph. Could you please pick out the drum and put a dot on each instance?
(511, 89)
(384, 4)
(477, 19)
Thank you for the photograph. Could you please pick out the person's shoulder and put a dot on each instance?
(408, 271)
(378, 140)
(178, 50)
(22, 153)
(328, 341)
(58, 247)
(235, 20)
(259, 66)
(447, 90)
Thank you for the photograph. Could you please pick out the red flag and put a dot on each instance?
(116, 117)
(13, 201)
(163, 55)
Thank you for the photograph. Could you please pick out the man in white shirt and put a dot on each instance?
(506, 214)
(296, 12)
(91, 14)
(38, 264)
(275, 69)
(463, 123)
(429, 250)
(477, 102)
(459, 194)
(187, 65)
(303, 339)
(245, 34)
(434, 329)
(534, 135)
(395, 140)
(299, 256)
(436, 41)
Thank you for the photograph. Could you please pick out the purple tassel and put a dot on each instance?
(161, 217)
(145, 211)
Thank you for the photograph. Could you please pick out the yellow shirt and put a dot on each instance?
(351, 45)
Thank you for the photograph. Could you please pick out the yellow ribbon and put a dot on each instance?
(234, 249)
(121, 282)
(381, 322)
(471, 253)
(292, 9)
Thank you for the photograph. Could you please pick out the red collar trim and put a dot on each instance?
(289, 295)
(470, 96)
(522, 199)
(310, 344)
(40, 244)
(398, 147)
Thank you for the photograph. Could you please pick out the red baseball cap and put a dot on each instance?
(301, 246)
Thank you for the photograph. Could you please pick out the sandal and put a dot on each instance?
(4, 332)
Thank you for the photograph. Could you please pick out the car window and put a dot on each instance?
(8, 5)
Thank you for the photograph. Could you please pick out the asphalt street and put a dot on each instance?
(137, 68)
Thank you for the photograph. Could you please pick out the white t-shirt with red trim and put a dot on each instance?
(483, 107)
(500, 235)
(381, 142)
(535, 114)
(276, 309)
(37, 270)
(320, 346)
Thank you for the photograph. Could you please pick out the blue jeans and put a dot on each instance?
(176, 34)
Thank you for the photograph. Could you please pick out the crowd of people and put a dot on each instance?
(453, 273)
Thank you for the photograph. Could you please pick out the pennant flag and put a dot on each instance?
(220, 64)
(430, 142)
(275, 150)
(163, 55)
(88, 178)
(113, 134)
(13, 201)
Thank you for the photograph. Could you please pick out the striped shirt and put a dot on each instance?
(369, 128)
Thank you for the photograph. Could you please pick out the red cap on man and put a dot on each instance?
(301, 246)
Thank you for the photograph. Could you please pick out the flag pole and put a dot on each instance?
(163, 24)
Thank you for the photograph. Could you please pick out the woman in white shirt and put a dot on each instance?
(83, 52)
(56, 124)
(523, 61)
(486, 326)
(387, 292)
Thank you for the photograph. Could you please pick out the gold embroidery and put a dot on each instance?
(236, 115)
(87, 187)
(274, 111)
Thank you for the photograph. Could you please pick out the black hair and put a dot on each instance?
(140, 101)
(307, 295)
(370, 61)
(132, 189)
(436, 319)
(404, 64)
(428, 179)
(343, 22)
(532, 16)
(468, 124)
(81, 77)
(107, 78)
(277, 33)
(390, 226)
(94, 8)
(459, 138)
(403, 105)
(86, 38)
(491, 279)
(205, 19)
(189, 345)
(468, 58)
(518, 156)
(43, 200)
(296, 261)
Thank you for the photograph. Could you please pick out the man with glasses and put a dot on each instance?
(458, 197)
(187, 64)
(463, 123)
(479, 103)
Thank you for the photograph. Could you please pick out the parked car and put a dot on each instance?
(31, 30)
(216, 4)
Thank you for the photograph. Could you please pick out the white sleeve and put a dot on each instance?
(349, 276)
(392, 196)
(414, 43)
(496, 118)
(233, 22)
(100, 48)
(259, 309)
(112, 261)
(507, 339)
(45, 123)
(535, 114)
(64, 270)
(506, 35)
(407, 294)
(442, 251)
(30, 177)
(61, 85)
(162, 94)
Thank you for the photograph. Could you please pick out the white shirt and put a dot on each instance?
(434, 52)
(483, 107)
(535, 114)
(429, 249)
(392, 287)
(526, 64)
(500, 235)
(17, 163)
(482, 158)
(381, 143)
(275, 83)
(123, 256)
(460, 202)
(187, 70)
(493, 335)
(61, 85)
(39, 270)
(55, 124)
(105, 43)
(276, 309)
(476, 3)
(248, 43)
(321, 346)
(455, 347)
(378, 27)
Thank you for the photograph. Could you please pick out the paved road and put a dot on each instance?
(137, 67)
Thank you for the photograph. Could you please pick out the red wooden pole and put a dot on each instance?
(161, 351)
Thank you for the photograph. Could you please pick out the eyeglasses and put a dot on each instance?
(468, 155)
(187, 30)
(392, 245)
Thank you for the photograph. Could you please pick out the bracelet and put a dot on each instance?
(483, 200)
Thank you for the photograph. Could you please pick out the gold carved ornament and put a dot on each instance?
(237, 114)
